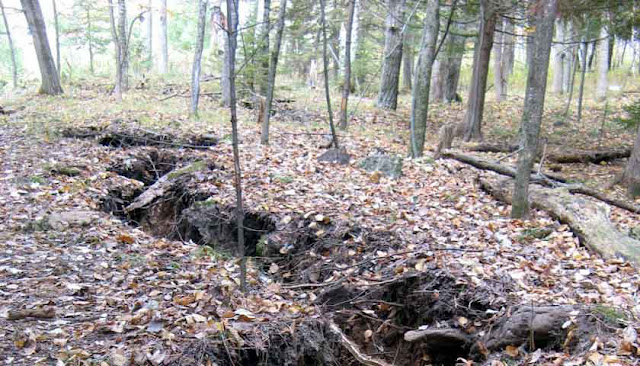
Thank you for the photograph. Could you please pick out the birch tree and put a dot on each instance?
(392, 55)
(197, 57)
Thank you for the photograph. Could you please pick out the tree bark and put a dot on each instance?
(57, 29)
(508, 51)
(346, 87)
(499, 80)
(50, 83)
(117, 89)
(568, 58)
(631, 175)
(482, 53)
(263, 49)
(583, 74)
(422, 80)
(325, 62)
(197, 58)
(232, 36)
(407, 64)
(124, 47)
(273, 67)
(559, 58)
(452, 60)
(90, 40)
(533, 105)
(392, 55)
(603, 65)
(163, 64)
(14, 65)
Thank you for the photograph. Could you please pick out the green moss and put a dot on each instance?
(194, 167)
(205, 251)
(609, 315)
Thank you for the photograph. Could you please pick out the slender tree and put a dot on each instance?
(325, 62)
(263, 50)
(559, 58)
(48, 72)
(57, 28)
(163, 64)
(422, 79)
(499, 74)
(150, 35)
(346, 87)
(631, 175)
(232, 36)
(392, 55)
(603, 65)
(119, 40)
(583, 74)
(197, 58)
(14, 64)
(407, 63)
(545, 14)
(482, 53)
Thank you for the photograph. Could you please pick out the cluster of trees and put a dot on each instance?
(421, 44)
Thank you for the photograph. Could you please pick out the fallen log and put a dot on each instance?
(547, 179)
(353, 348)
(594, 157)
(588, 220)
(485, 147)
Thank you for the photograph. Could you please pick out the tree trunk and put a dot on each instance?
(226, 68)
(508, 51)
(559, 58)
(392, 55)
(163, 64)
(533, 105)
(603, 65)
(452, 61)
(263, 50)
(150, 36)
(482, 53)
(14, 65)
(568, 57)
(48, 72)
(90, 41)
(273, 67)
(197, 58)
(57, 28)
(422, 80)
(232, 36)
(346, 87)
(407, 64)
(325, 62)
(592, 54)
(124, 47)
(631, 175)
(117, 89)
(585, 48)
(436, 87)
(499, 80)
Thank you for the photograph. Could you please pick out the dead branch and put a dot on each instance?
(353, 348)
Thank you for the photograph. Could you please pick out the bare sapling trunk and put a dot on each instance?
(118, 41)
(482, 53)
(392, 56)
(57, 26)
(545, 16)
(263, 50)
(325, 62)
(50, 83)
(603, 65)
(346, 88)
(422, 80)
(89, 40)
(163, 64)
(14, 65)
(271, 78)
(197, 58)
(583, 74)
(567, 76)
(150, 35)
(631, 176)
(232, 36)
(558, 56)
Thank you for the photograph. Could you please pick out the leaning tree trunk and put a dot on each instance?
(482, 53)
(14, 65)
(498, 74)
(325, 62)
(533, 105)
(603, 65)
(392, 55)
(57, 28)
(197, 58)
(271, 79)
(50, 78)
(163, 64)
(559, 58)
(263, 51)
(631, 175)
(346, 87)
(422, 80)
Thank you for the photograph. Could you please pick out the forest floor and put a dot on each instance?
(376, 256)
